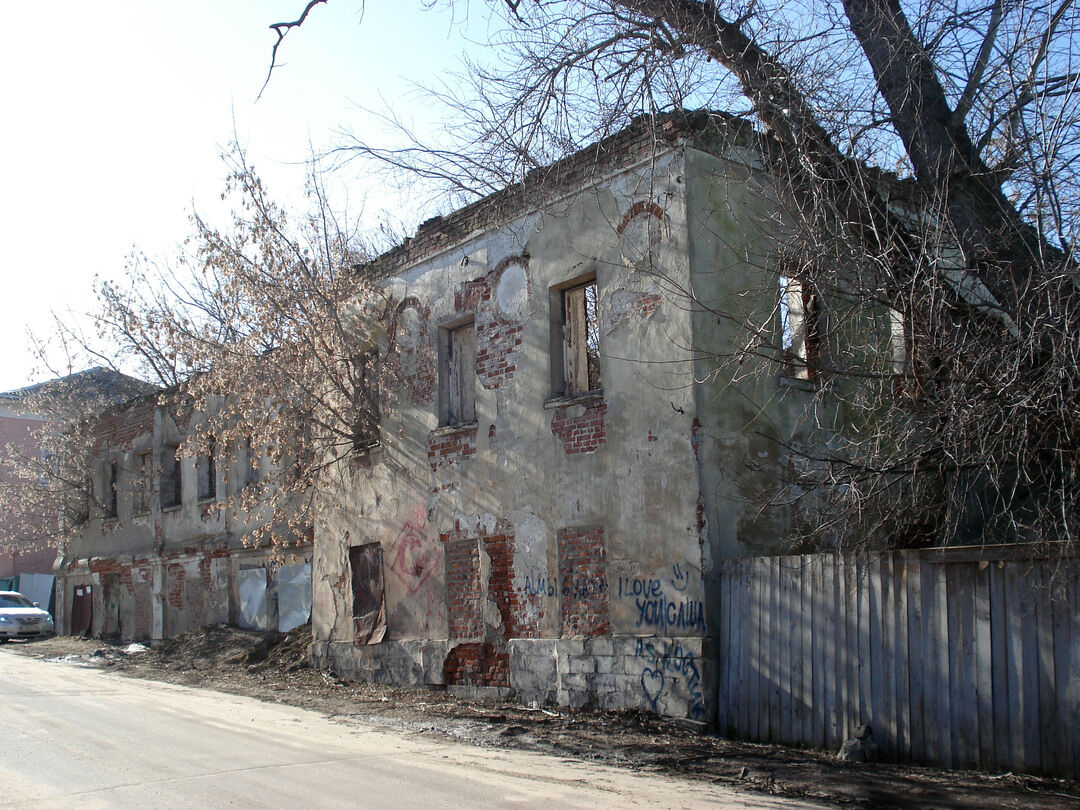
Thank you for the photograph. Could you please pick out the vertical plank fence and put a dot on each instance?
(957, 657)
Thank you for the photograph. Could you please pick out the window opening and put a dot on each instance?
(581, 339)
(170, 477)
(459, 374)
(206, 468)
(799, 322)
(109, 495)
(144, 472)
(365, 383)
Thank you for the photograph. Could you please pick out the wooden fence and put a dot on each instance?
(961, 657)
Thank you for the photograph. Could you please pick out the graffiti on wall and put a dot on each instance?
(413, 559)
(663, 605)
(668, 668)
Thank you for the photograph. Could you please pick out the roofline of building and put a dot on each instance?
(645, 135)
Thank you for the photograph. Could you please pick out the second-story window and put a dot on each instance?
(458, 374)
(581, 339)
(800, 328)
(109, 495)
(143, 483)
(207, 473)
(170, 477)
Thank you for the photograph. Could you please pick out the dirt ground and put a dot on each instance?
(273, 667)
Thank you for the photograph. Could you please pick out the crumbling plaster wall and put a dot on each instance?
(472, 519)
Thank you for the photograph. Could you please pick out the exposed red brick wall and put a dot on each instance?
(463, 597)
(583, 590)
(451, 447)
(477, 665)
(497, 339)
(627, 305)
(583, 434)
(174, 579)
(520, 612)
(467, 296)
(647, 207)
(117, 429)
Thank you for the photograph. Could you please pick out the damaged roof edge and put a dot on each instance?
(618, 151)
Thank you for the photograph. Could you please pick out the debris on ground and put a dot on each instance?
(274, 667)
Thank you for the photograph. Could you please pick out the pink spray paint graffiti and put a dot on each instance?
(413, 560)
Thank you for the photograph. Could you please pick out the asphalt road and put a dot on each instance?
(77, 737)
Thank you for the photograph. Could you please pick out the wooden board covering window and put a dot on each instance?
(369, 604)
(582, 338)
(461, 375)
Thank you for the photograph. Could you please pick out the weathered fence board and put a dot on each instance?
(963, 658)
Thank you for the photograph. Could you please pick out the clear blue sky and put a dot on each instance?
(114, 115)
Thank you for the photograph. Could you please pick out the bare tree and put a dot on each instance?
(266, 338)
(927, 152)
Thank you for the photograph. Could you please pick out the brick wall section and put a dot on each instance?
(464, 606)
(117, 429)
(521, 613)
(497, 339)
(583, 590)
(583, 434)
(477, 664)
(452, 447)
(174, 590)
(467, 296)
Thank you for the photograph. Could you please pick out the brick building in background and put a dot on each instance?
(564, 464)
(27, 562)
(158, 556)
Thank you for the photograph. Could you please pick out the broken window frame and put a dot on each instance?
(800, 328)
(457, 373)
(170, 493)
(576, 354)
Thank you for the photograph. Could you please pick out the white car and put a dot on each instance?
(21, 618)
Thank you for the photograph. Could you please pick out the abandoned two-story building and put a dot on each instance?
(160, 553)
(568, 460)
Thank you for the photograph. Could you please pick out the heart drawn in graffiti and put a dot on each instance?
(652, 684)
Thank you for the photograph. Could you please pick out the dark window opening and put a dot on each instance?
(109, 495)
(206, 467)
(170, 477)
(363, 372)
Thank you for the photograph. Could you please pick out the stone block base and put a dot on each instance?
(671, 677)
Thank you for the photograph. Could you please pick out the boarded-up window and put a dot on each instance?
(581, 339)
(206, 468)
(143, 483)
(170, 476)
(459, 374)
(369, 605)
